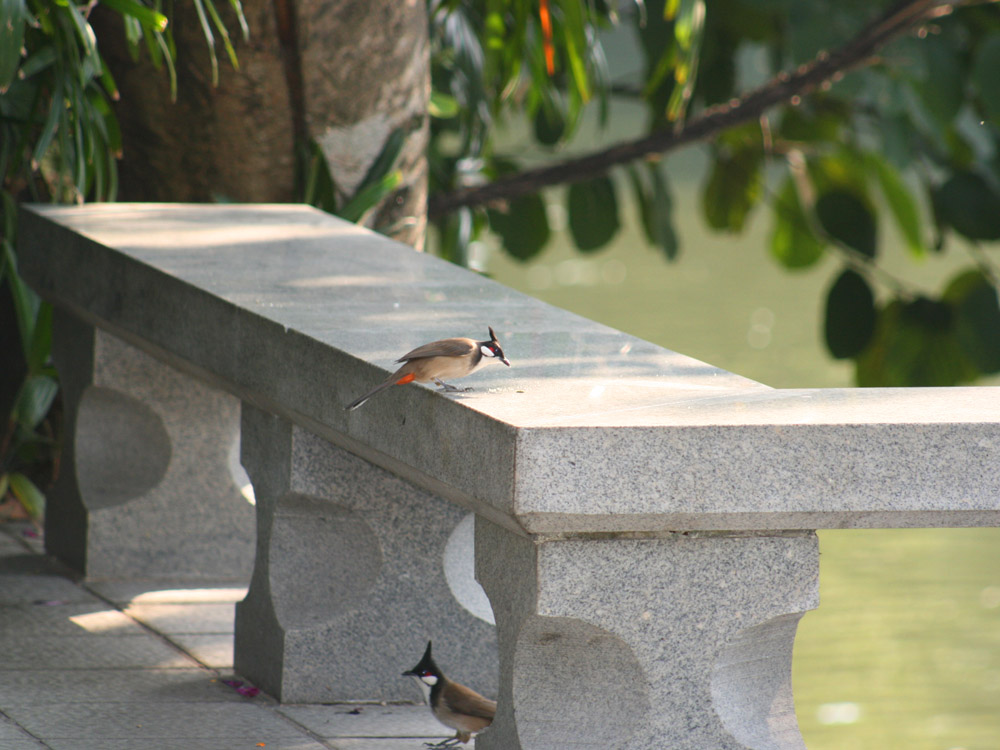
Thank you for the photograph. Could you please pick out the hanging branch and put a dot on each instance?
(784, 87)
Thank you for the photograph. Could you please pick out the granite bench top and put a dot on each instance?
(590, 431)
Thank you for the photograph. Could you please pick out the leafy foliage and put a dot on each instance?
(912, 139)
(59, 141)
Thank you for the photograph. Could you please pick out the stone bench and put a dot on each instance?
(644, 522)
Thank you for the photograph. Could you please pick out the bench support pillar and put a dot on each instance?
(350, 582)
(146, 487)
(681, 641)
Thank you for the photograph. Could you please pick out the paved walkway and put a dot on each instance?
(122, 665)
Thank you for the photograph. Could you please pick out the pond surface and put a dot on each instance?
(904, 651)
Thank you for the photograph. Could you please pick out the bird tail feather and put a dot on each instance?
(394, 379)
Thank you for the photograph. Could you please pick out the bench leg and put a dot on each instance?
(146, 487)
(349, 582)
(681, 642)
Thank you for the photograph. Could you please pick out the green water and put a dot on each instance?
(904, 651)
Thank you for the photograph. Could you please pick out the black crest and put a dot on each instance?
(426, 665)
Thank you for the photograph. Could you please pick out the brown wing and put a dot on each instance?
(442, 348)
(462, 700)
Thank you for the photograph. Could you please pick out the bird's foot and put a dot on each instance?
(443, 744)
(449, 388)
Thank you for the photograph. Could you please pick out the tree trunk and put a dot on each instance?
(345, 73)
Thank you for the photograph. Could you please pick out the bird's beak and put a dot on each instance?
(504, 360)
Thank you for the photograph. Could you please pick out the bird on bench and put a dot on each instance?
(447, 358)
(456, 706)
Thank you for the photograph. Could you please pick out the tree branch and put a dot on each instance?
(784, 87)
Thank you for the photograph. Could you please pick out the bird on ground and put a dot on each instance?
(447, 358)
(456, 706)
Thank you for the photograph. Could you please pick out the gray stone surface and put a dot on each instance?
(212, 650)
(336, 722)
(349, 581)
(683, 641)
(147, 721)
(57, 619)
(14, 737)
(94, 690)
(177, 618)
(88, 652)
(586, 464)
(294, 296)
(27, 587)
(123, 685)
(169, 592)
(207, 743)
(146, 488)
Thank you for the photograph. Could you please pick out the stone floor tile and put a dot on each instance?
(27, 587)
(89, 652)
(145, 721)
(61, 618)
(40, 686)
(206, 743)
(387, 743)
(170, 592)
(25, 534)
(337, 721)
(13, 737)
(213, 650)
(184, 618)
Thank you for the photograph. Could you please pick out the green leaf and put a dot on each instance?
(145, 16)
(655, 209)
(943, 91)
(86, 34)
(31, 498)
(593, 213)
(915, 344)
(793, 242)
(850, 315)
(386, 160)
(26, 302)
(370, 196)
(33, 400)
(733, 189)
(237, 7)
(802, 124)
(985, 71)
(970, 205)
(847, 219)
(550, 121)
(524, 227)
(13, 20)
(57, 105)
(977, 319)
(206, 32)
(41, 339)
(38, 60)
(902, 205)
(688, 30)
(575, 39)
(227, 42)
(442, 106)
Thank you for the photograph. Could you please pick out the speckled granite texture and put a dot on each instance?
(146, 487)
(683, 641)
(349, 584)
(644, 520)
(591, 430)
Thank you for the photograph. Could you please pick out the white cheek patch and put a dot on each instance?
(487, 352)
(429, 679)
